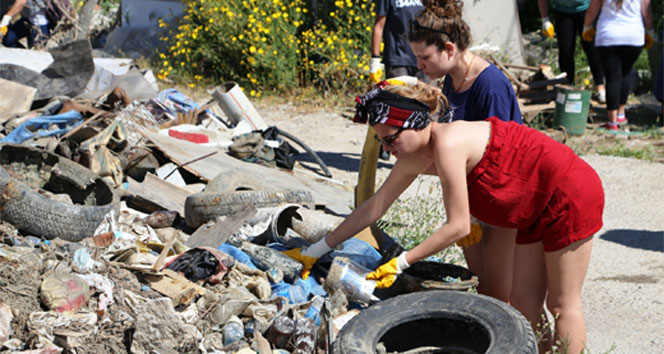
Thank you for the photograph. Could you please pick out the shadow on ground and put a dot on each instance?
(642, 239)
(340, 161)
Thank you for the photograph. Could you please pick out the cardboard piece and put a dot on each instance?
(15, 98)
(178, 288)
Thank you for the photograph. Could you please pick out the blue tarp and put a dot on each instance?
(44, 126)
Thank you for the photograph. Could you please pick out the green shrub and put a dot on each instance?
(265, 44)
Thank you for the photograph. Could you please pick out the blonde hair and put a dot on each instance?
(429, 95)
(440, 22)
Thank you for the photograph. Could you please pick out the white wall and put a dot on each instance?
(495, 23)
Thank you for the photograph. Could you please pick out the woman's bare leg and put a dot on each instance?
(566, 270)
(473, 256)
(498, 256)
(529, 290)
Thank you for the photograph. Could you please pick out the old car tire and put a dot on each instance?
(235, 180)
(200, 208)
(31, 212)
(456, 322)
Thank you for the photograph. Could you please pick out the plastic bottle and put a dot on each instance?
(314, 310)
(233, 330)
(265, 258)
(349, 276)
(304, 335)
(280, 332)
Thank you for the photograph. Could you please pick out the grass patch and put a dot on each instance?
(643, 152)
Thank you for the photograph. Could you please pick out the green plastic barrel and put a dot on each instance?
(571, 110)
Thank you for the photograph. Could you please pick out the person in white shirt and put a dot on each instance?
(623, 29)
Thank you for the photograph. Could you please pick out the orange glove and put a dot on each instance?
(650, 39)
(472, 238)
(386, 274)
(588, 33)
(308, 256)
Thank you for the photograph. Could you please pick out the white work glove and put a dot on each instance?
(4, 24)
(376, 70)
(547, 27)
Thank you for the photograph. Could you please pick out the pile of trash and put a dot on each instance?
(134, 219)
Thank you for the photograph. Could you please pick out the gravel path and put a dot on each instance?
(624, 289)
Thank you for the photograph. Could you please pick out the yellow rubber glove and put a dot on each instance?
(588, 33)
(375, 70)
(307, 262)
(308, 256)
(386, 274)
(547, 27)
(472, 238)
(650, 39)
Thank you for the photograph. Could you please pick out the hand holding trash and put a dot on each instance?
(547, 27)
(309, 255)
(386, 274)
(375, 70)
(588, 33)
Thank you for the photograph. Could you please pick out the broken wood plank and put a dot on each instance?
(521, 67)
(538, 96)
(159, 263)
(538, 107)
(219, 232)
(156, 194)
(544, 83)
(181, 151)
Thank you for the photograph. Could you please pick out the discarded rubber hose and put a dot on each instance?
(308, 150)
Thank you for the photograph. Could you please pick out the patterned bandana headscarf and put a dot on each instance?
(382, 107)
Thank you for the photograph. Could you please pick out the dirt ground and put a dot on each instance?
(624, 285)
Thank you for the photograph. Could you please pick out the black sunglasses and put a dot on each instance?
(415, 25)
(390, 139)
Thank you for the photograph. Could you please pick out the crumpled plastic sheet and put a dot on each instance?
(44, 126)
(230, 302)
(104, 286)
(159, 328)
(46, 325)
(253, 279)
(64, 292)
(137, 117)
